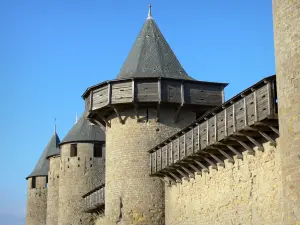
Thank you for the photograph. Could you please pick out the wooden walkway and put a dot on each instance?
(95, 200)
(243, 122)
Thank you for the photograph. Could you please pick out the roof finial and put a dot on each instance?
(76, 118)
(149, 12)
(54, 125)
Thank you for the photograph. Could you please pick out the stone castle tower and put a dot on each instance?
(286, 16)
(37, 186)
(53, 157)
(219, 161)
(81, 169)
(151, 99)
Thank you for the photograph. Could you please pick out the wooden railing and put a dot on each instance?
(95, 200)
(239, 122)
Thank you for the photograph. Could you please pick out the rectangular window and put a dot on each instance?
(73, 152)
(98, 150)
(33, 182)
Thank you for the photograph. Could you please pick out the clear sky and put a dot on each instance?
(51, 51)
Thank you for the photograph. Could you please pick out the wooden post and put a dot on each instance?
(184, 145)
(245, 112)
(199, 138)
(109, 94)
(132, 90)
(233, 118)
(225, 123)
(216, 131)
(255, 106)
(91, 100)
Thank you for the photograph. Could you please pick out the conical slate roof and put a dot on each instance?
(151, 56)
(42, 166)
(84, 131)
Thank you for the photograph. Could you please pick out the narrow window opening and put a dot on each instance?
(33, 182)
(98, 150)
(73, 150)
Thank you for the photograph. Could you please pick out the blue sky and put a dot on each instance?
(51, 51)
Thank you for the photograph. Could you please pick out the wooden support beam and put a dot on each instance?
(230, 159)
(178, 148)
(268, 138)
(118, 114)
(213, 165)
(247, 147)
(191, 174)
(184, 145)
(274, 129)
(256, 143)
(172, 180)
(172, 153)
(199, 137)
(175, 120)
(217, 159)
(167, 155)
(136, 109)
(197, 171)
(183, 174)
(104, 119)
(239, 155)
(157, 112)
(178, 180)
(204, 168)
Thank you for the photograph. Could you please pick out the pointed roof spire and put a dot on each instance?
(42, 166)
(149, 13)
(84, 131)
(151, 56)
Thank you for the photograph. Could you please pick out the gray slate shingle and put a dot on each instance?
(151, 56)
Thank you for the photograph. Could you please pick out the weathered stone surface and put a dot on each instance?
(53, 194)
(244, 192)
(36, 202)
(131, 195)
(78, 175)
(286, 15)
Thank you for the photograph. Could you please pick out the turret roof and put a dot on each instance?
(42, 166)
(151, 56)
(84, 131)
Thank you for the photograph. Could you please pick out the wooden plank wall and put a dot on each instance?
(256, 106)
(121, 92)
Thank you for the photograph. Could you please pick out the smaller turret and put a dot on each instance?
(81, 170)
(53, 182)
(37, 186)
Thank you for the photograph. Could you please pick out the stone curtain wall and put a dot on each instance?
(78, 175)
(53, 187)
(246, 192)
(131, 195)
(36, 202)
(286, 15)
